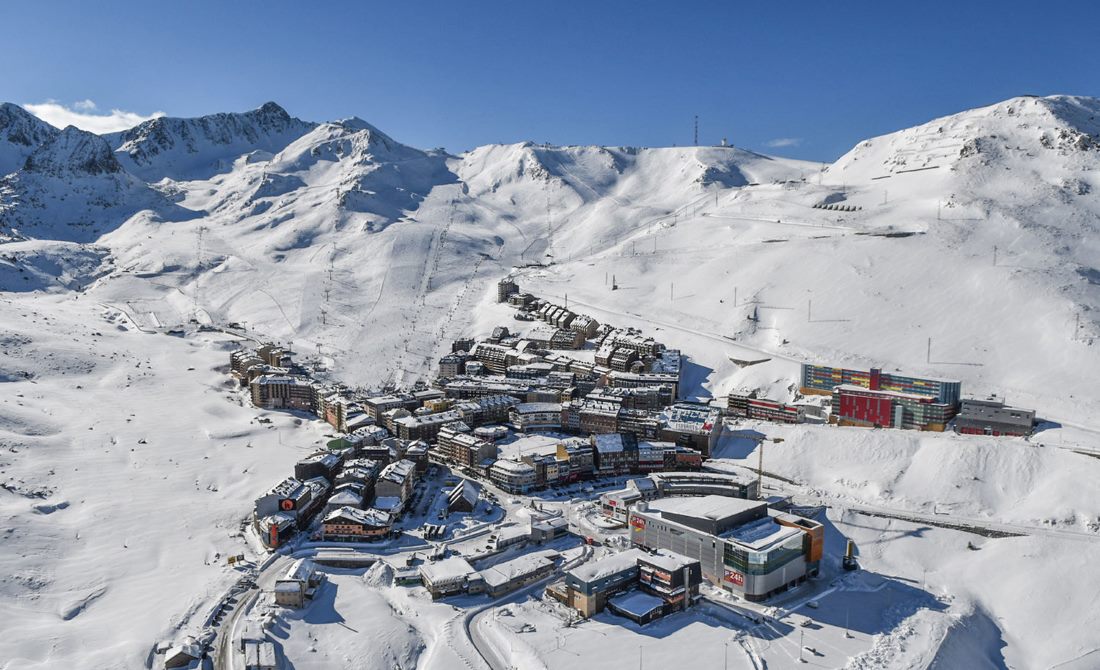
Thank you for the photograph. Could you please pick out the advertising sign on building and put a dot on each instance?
(638, 523)
(734, 577)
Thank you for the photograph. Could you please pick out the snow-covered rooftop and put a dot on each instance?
(391, 504)
(761, 533)
(367, 517)
(346, 498)
(514, 467)
(502, 573)
(712, 507)
(669, 561)
(301, 570)
(537, 407)
(637, 603)
(608, 565)
(852, 388)
(607, 443)
(450, 569)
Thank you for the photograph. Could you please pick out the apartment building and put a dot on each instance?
(283, 392)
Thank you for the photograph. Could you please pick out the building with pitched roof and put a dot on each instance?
(462, 499)
(350, 524)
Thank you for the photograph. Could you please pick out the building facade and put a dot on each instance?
(283, 392)
(396, 480)
(857, 406)
(762, 409)
(741, 545)
(993, 417)
(513, 476)
(534, 416)
(822, 379)
(348, 524)
(589, 586)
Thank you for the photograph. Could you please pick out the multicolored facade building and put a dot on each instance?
(879, 399)
(822, 379)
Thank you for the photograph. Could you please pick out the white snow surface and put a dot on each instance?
(127, 475)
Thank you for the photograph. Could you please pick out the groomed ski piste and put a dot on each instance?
(967, 248)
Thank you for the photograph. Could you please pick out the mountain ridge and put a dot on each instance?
(20, 134)
(187, 148)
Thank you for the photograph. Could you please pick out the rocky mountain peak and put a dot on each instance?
(183, 148)
(20, 134)
(19, 126)
(73, 152)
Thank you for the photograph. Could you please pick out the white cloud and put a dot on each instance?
(783, 142)
(82, 115)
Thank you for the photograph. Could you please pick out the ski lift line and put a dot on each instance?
(618, 201)
(681, 210)
(801, 224)
(692, 331)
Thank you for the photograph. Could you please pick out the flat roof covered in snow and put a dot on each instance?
(608, 565)
(529, 445)
(706, 507)
(514, 467)
(761, 533)
(668, 560)
(502, 573)
(852, 388)
(637, 603)
(607, 443)
(536, 407)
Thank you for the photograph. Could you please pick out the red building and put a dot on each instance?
(858, 406)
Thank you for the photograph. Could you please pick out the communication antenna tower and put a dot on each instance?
(696, 130)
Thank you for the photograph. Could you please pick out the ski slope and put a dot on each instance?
(128, 465)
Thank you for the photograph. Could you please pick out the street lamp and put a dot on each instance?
(760, 467)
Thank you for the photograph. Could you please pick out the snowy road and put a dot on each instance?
(225, 657)
(474, 619)
(992, 528)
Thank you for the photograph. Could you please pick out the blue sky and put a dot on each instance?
(803, 79)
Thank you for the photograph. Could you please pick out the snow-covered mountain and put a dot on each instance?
(1056, 133)
(72, 188)
(358, 169)
(966, 247)
(20, 134)
(273, 194)
(200, 147)
(73, 153)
